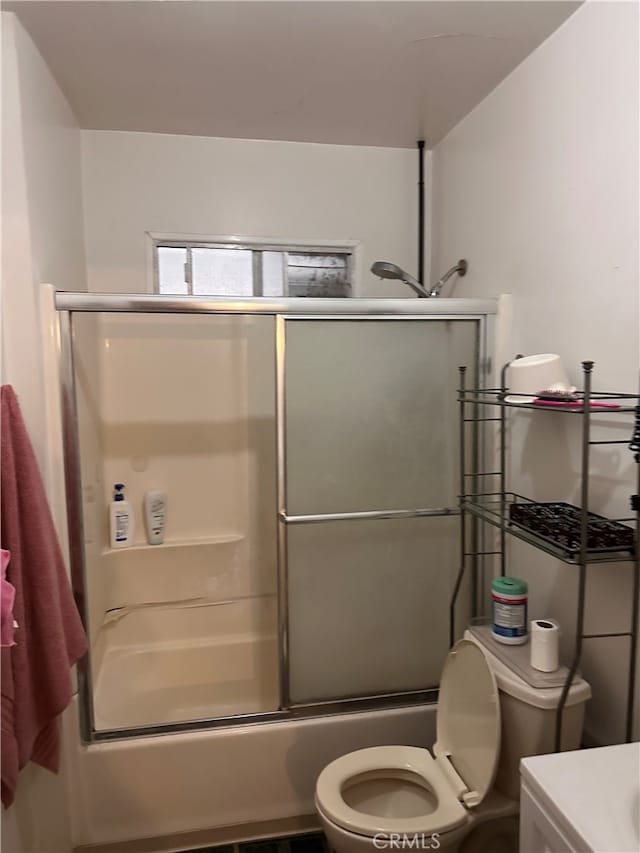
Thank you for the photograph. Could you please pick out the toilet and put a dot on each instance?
(488, 717)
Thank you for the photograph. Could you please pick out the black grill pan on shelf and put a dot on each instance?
(559, 524)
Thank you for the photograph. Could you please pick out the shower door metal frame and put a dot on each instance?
(69, 303)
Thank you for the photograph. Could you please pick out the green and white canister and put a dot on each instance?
(509, 609)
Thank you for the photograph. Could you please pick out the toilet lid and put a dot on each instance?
(468, 718)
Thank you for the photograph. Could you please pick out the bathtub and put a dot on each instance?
(218, 785)
(170, 662)
(187, 681)
(173, 663)
(179, 661)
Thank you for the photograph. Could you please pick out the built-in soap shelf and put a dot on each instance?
(214, 567)
(218, 539)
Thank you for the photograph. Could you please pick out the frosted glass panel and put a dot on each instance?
(371, 413)
(369, 605)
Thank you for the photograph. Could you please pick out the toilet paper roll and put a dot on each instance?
(545, 645)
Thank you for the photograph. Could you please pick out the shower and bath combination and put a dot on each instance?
(296, 501)
(385, 269)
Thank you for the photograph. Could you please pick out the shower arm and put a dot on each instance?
(460, 268)
(415, 285)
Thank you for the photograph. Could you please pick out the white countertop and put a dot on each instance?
(593, 793)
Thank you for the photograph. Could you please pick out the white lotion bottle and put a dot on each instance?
(121, 522)
(155, 516)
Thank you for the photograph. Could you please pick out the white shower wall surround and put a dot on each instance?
(167, 663)
(166, 404)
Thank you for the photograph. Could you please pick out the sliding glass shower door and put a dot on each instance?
(185, 630)
(371, 471)
(309, 459)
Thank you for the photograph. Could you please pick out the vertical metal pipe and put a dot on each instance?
(463, 526)
(421, 211)
(475, 489)
(281, 474)
(503, 471)
(635, 604)
(75, 521)
(484, 531)
(587, 367)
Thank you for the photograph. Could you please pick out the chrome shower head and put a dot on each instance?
(385, 269)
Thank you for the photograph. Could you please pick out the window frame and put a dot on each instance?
(256, 245)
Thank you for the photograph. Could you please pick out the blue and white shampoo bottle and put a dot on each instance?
(121, 522)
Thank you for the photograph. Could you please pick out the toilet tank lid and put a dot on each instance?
(468, 719)
(512, 684)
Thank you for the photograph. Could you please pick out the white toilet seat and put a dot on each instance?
(354, 787)
(447, 814)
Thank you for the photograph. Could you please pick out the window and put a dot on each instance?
(221, 268)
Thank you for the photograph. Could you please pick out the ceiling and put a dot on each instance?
(356, 73)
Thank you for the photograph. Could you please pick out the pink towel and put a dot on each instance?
(36, 672)
(7, 597)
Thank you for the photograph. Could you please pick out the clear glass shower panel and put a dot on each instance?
(368, 606)
(185, 630)
(370, 412)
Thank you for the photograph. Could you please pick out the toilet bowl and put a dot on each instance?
(395, 797)
(373, 798)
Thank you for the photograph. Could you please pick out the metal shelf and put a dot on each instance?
(495, 397)
(493, 508)
(490, 507)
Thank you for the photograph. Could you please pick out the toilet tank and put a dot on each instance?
(528, 720)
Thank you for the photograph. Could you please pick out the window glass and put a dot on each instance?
(223, 272)
(220, 270)
(273, 273)
(318, 275)
(171, 270)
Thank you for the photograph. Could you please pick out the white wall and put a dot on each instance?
(42, 228)
(42, 236)
(137, 182)
(538, 188)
